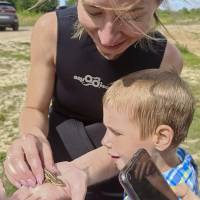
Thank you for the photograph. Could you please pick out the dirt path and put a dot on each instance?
(188, 36)
(23, 35)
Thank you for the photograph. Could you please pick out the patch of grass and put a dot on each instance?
(15, 55)
(9, 187)
(183, 16)
(2, 117)
(14, 86)
(194, 129)
(2, 158)
(27, 18)
(25, 44)
(189, 58)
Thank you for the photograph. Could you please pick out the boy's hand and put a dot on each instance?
(42, 192)
(75, 178)
(185, 193)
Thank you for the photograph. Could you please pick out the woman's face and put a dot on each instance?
(113, 31)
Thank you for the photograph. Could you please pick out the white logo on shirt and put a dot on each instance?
(88, 80)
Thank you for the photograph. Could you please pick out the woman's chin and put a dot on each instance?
(109, 55)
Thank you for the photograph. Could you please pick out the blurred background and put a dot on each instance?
(181, 18)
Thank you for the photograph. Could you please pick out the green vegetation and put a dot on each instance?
(192, 76)
(183, 16)
(190, 59)
(27, 18)
(15, 55)
(22, 5)
(9, 187)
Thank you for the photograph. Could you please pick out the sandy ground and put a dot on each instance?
(13, 78)
(13, 73)
(187, 35)
(23, 35)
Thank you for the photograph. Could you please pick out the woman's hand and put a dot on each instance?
(185, 193)
(26, 159)
(2, 192)
(46, 191)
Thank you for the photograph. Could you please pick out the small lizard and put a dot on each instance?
(49, 177)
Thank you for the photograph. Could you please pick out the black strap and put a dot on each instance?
(74, 137)
(96, 132)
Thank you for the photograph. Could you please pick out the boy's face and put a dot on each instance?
(122, 138)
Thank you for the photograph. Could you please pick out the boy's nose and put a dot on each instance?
(105, 141)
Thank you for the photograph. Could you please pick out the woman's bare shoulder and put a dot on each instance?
(172, 58)
(44, 39)
(46, 25)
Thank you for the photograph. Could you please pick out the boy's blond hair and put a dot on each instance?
(154, 97)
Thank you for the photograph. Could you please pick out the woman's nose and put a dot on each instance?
(108, 34)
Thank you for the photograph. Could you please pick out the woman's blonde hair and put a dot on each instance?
(151, 98)
(145, 42)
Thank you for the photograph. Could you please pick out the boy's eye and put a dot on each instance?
(116, 133)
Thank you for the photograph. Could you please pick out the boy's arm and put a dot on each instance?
(93, 167)
(97, 164)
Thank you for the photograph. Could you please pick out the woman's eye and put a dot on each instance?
(93, 11)
(94, 14)
(132, 18)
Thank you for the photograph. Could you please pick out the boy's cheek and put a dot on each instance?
(122, 161)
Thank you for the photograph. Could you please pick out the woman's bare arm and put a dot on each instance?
(34, 116)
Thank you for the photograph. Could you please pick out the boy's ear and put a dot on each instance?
(163, 137)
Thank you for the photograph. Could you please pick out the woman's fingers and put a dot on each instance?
(13, 181)
(26, 159)
(33, 159)
(16, 168)
(23, 164)
(2, 191)
(47, 157)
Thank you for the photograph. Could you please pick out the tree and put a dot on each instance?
(25, 4)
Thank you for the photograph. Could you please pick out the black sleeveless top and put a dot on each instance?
(83, 74)
(82, 77)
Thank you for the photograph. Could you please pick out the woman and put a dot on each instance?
(75, 55)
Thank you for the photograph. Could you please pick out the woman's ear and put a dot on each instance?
(163, 137)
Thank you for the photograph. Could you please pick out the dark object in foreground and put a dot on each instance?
(142, 180)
